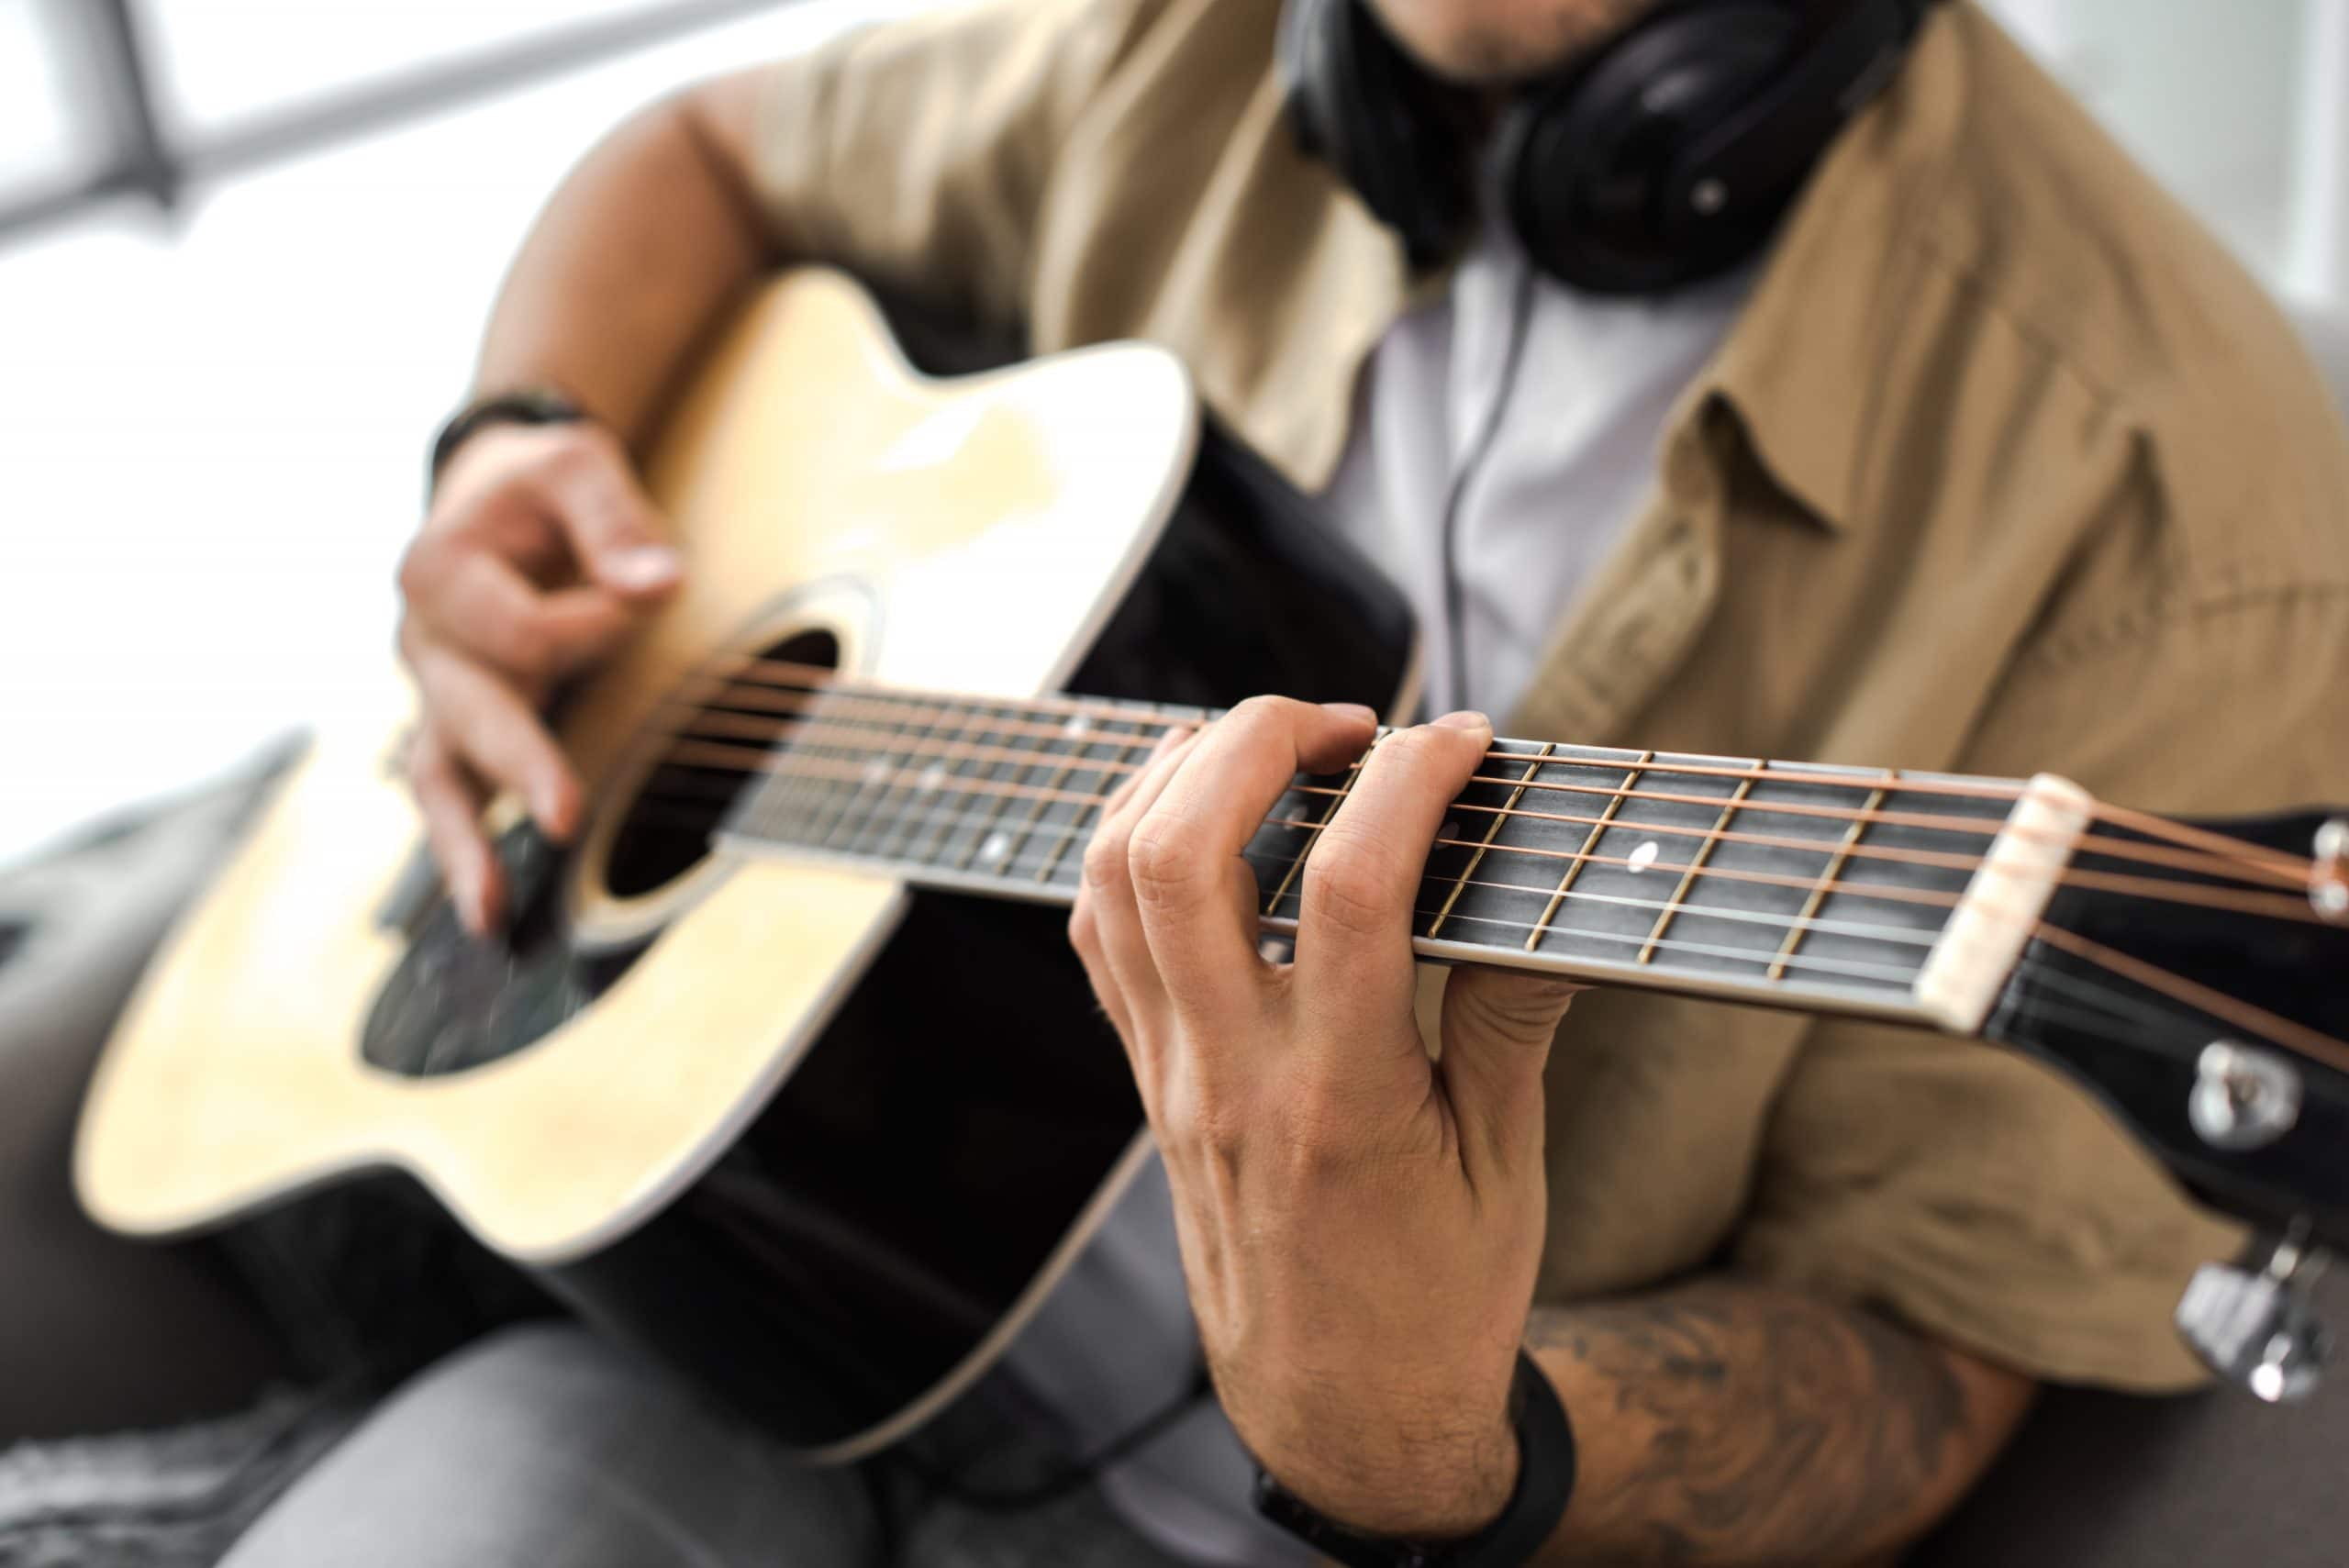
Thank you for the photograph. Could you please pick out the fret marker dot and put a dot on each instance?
(997, 846)
(875, 771)
(1077, 724)
(1451, 828)
(1644, 856)
(934, 775)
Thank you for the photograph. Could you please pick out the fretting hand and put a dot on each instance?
(541, 553)
(1359, 1225)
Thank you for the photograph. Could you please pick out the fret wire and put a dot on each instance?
(987, 831)
(2290, 873)
(965, 714)
(843, 798)
(975, 721)
(1076, 824)
(901, 831)
(2284, 907)
(1834, 965)
(856, 813)
(973, 768)
(1077, 730)
(1461, 882)
(1817, 895)
(1582, 857)
(1313, 836)
(826, 803)
(814, 796)
(1674, 905)
(2232, 865)
(1888, 935)
(903, 784)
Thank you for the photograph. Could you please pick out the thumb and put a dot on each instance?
(611, 524)
(1497, 1024)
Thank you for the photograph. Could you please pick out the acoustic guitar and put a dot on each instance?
(783, 1067)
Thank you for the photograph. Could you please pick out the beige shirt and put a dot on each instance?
(2006, 467)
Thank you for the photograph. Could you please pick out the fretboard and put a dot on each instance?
(1750, 879)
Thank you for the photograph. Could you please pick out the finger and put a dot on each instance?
(1194, 890)
(1085, 936)
(1498, 1026)
(449, 799)
(1361, 882)
(488, 727)
(474, 599)
(588, 486)
(1111, 925)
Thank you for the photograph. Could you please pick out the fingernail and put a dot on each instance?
(1466, 719)
(1353, 710)
(644, 566)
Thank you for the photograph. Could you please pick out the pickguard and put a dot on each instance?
(456, 1002)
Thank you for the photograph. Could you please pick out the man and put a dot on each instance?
(1991, 461)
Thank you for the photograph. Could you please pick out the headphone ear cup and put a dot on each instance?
(1356, 101)
(1585, 159)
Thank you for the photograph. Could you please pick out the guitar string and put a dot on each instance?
(2116, 1008)
(2148, 975)
(1838, 966)
(2243, 1014)
(813, 678)
(876, 770)
(2276, 866)
(2259, 1021)
(736, 726)
(1782, 773)
(1901, 935)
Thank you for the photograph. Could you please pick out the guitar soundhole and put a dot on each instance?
(666, 830)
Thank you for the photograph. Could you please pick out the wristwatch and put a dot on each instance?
(528, 406)
(1545, 1479)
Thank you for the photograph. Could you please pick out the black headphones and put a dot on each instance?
(1666, 156)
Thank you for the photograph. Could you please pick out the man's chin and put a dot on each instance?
(1490, 43)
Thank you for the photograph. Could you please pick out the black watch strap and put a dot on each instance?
(1545, 1479)
(528, 406)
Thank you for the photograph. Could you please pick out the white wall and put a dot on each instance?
(211, 436)
(2237, 106)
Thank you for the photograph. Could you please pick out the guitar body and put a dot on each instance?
(817, 1139)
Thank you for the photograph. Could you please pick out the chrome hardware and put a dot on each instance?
(2251, 1320)
(2328, 883)
(1708, 196)
(2242, 1097)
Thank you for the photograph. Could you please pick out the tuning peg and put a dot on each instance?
(2328, 882)
(2254, 1322)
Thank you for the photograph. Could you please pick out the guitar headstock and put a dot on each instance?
(2195, 977)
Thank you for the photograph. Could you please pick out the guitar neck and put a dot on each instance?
(1868, 891)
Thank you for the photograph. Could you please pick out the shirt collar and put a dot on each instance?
(1804, 370)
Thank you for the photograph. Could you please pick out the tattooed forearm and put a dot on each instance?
(1735, 1423)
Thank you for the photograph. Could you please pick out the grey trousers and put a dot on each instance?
(545, 1447)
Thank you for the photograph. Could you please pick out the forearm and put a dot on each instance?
(638, 255)
(1738, 1423)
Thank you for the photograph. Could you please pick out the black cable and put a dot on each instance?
(1454, 595)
